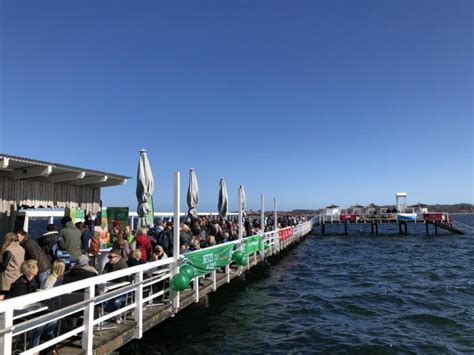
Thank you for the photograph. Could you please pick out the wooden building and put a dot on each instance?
(29, 183)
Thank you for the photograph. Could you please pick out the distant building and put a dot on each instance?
(419, 208)
(357, 209)
(332, 210)
(371, 209)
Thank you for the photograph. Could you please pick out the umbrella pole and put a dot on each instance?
(240, 215)
(175, 294)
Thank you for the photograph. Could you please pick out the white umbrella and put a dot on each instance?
(144, 191)
(222, 204)
(193, 194)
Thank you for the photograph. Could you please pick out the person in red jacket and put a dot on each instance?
(143, 243)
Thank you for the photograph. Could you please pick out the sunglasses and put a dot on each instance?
(113, 256)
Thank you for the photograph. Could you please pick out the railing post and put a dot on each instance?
(214, 280)
(88, 335)
(138, 313)
(262, 223)
(227, 272)
(6, 320)
(275, 222)
(196, 289)
(176, 246)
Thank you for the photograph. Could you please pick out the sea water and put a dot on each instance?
(356, 294)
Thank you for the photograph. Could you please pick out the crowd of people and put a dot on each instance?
(68, 255)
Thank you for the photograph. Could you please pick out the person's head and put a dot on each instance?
(114, 256)
(83, 260)
(8, 239)
(128, 230)
(21, 234)
(65, 220)
(80, 225)
(51, 227)
(141, 231)
(159, 250)
(137, 254)
(29, 268)
(58, 268)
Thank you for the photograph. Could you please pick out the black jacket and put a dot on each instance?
(34, 251)
(47, 242)
(22, 286)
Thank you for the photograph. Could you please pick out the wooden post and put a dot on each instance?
(400, 228)
(406, 228)
(345, 228)
(376, 228)
(427, 229)
(436, 228)
(323, 228)
(372, 228)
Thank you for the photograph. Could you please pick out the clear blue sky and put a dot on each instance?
(314, 102)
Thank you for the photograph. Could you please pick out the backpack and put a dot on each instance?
(63, 255)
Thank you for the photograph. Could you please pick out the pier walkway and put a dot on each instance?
(437, 220)
(84, 326)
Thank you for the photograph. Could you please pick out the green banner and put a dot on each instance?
(207, 260)
(252, 244)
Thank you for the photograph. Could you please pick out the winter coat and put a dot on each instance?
(121, 264)
(12, 271)
(143, 243)
(34, 251)
(78, 273)
(47, 242)
(22, 286)
(70, 240)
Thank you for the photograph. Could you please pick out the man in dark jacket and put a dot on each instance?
(34, 252)
(116, 262)
(70, 238)
(48, 240)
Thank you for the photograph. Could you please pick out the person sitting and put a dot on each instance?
(53, 280)
(26, 283)
(81, 270)
(116, 262)
(135, 259)
(159, 253)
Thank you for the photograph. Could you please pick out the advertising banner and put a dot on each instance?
(76, 214)
(252, 244)
(119, 214)
(210, 259)
(285, 233)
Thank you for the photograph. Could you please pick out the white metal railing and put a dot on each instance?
(139, 293)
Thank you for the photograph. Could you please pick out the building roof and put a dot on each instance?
(372, 205)
(19, 168)
(357, 206)
(332, 206)
(419, 204)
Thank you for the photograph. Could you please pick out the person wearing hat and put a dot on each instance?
(81, 270)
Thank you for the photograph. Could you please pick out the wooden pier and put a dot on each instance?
(391, 219)
(149, 298)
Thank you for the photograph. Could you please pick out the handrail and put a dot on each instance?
(8, 330)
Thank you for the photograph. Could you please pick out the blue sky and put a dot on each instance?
(314, 102)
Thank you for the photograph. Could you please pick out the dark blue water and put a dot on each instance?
(359, 294)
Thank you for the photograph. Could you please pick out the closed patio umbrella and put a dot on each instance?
(222, 204)
(145, 187)
(193, 194)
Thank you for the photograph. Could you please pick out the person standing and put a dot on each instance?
(48, 240)
(12, 256)
(69, 238)
(34, 252)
